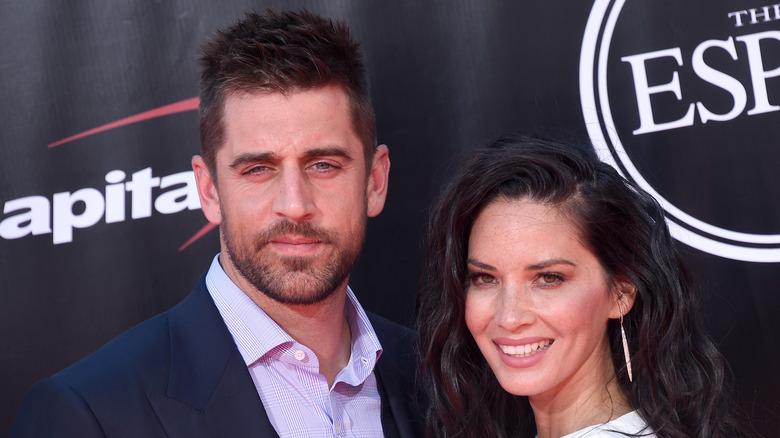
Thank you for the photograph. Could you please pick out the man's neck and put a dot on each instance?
(322, 327)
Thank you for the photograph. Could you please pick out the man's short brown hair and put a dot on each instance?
(281, 52)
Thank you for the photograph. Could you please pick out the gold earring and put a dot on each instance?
(625, 344)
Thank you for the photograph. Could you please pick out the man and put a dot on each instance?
(271, 341)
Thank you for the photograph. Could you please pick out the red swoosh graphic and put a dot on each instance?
(203, 231)
(173, 108)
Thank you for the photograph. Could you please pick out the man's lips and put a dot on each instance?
(293, 240)
(295, 246)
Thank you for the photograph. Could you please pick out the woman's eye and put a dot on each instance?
(481, 278)
(550, 279)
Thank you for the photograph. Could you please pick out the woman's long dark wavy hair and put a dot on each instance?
(680, 384)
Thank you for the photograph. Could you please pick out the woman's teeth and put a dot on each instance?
(527, 349)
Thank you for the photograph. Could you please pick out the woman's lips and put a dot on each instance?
(524, 350)
(522, 353)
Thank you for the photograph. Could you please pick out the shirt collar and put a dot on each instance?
(255, 333)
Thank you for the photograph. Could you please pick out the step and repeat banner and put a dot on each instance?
(100, 225)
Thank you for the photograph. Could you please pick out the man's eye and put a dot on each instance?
(324, 166)
(256, 170)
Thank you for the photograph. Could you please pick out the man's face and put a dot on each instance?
(291, 193)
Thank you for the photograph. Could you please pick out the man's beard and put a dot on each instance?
(292, 280)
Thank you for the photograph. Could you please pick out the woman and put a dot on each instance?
(553, 302)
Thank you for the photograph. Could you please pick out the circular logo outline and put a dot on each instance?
(598, 120)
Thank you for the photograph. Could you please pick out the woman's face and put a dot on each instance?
(538, 301)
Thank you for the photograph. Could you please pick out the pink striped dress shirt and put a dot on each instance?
(295, 395)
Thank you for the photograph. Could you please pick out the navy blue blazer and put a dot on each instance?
(180, 374)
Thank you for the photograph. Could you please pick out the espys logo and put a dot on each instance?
(683, 99)
(36, 215)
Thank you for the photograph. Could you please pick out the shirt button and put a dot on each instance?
(300, 355)
(365, 360)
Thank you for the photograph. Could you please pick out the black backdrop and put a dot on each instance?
(79, 264)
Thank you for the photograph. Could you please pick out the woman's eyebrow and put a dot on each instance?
(550, 262)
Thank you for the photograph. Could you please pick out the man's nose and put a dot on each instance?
(293, 196)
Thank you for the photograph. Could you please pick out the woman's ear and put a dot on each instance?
(625, 296)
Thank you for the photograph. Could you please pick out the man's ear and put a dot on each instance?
(207, 190)
(625, 297)
(378, 178)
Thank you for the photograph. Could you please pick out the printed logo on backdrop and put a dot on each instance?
(62, 212)
(684, 99)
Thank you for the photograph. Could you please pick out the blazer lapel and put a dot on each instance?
(210, 392)
(402, 406)
(389, 426)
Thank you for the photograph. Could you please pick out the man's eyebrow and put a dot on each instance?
(259, 157)
(252, 158)
(327, 151)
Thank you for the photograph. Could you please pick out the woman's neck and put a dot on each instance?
(579, 402)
